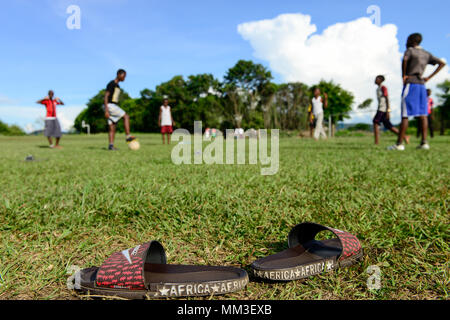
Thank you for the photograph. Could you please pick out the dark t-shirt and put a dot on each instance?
(114, 92)
(417, 60)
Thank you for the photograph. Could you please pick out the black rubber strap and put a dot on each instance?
(305, 232)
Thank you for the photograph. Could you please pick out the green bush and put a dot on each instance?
(360, 127)
(10, 130)
(350, 133)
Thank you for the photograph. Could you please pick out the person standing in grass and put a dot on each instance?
(165, 121)
(317, 113)
(414, 97)
(113, 112)
(52, 126)
(383, 115)
(430, 117)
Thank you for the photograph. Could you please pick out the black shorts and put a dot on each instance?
(381, 118)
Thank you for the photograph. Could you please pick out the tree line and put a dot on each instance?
(246, 98)
(442, 117)
(10, 130)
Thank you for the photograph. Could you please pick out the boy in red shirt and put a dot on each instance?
(52, 126)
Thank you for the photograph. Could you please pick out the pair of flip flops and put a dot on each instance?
(142, 272)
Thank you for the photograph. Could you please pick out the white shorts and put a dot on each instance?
(115, 113)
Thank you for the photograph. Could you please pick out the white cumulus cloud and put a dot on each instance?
(67, 116)
(351, 54)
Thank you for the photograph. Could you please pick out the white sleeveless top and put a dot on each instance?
(166, 118)
(317, 106)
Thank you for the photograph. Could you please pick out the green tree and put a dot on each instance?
(292, 102)
(246, 98)
(136, 111)
(179, 99)
(340, 101)
(94, 114)
(244, 86)
(206, 95)
(268, 104)
(365, 105)
(10, 130)
(443, 110)
(149, 103)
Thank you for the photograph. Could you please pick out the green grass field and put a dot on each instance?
(78, 205)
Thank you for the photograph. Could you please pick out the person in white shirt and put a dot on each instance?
(318, 105)
(165, 121)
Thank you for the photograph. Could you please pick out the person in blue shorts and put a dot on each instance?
(414, 97)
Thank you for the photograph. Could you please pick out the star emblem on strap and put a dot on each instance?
(164, 291)
(297, 273)
(216, 288)
(329, 266)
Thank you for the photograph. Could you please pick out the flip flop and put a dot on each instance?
(142, 272)
(308, 257)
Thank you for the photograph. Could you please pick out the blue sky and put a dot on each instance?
(156, 40)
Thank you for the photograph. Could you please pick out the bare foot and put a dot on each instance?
(58, 147)
(407, 139)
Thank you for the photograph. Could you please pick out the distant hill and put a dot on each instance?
(36, 133)
(41, 132)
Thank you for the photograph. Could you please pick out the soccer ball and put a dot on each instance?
(134, 145)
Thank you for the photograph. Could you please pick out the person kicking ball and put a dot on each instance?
(52, 126)
(113, 112)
